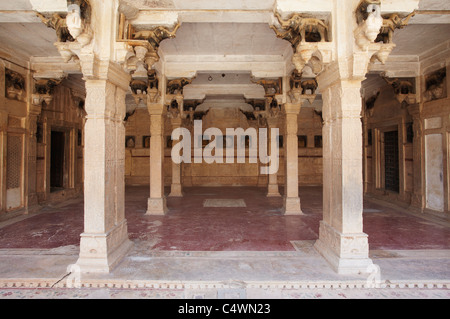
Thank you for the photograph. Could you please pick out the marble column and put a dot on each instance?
(291, 198)
(104, 241)
(272, 187)
(157, 200)
(341, 238)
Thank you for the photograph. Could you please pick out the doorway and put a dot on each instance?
(57, 160)
(391, 163)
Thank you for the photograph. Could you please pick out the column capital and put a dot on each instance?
(292, 108)
(96, 69)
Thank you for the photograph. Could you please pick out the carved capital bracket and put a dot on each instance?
(175, 86)
(43, 90)
(175, 107)
(153, 36)
(271, 87)
(435, 85)
(15, 87)
(301, 89)
(73, 29)
(143, 44)
(308, 36)
(370, 104)
(373, 35)
(404, 89)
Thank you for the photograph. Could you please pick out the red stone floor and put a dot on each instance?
(260, 226)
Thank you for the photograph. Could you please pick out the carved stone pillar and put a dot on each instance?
(175, 187)
(105, 238)
(272, 187)
(417, 199)
(157, 200)
(291, 198)
(341, 240)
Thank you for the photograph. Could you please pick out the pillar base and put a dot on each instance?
(272, 191)
(101, 252)
(347, 254)
(156, 206)
(176, 190)
(292, 206)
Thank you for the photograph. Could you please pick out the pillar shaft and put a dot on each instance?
(175, 187)
(157, 200)
(272, 187)
(292, 200)
(105, 238)
(341, 240)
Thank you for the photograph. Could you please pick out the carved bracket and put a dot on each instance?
(404, 89)
(298, 28)
(43, 91)
(15, 85)
(373, 35)
(175, 86)
(307, 36)
(154, 36)
(271, 87)
(302, 88)
(390, 23)
(72, 30)
(370, 104)
(175, 107)
(435, 85)
(369, 20)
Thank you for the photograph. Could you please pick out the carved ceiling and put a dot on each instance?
(232, 34)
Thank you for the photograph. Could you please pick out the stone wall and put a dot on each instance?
(423, 126)
(25, 134)
(66, 115)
